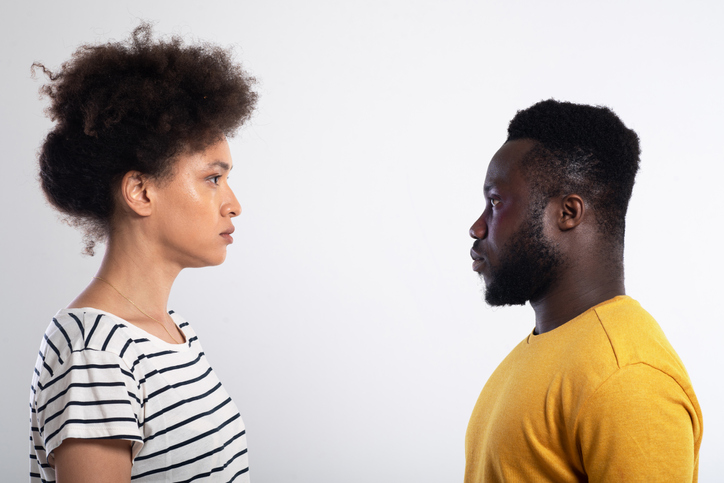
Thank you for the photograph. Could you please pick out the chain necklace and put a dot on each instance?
(139, 308)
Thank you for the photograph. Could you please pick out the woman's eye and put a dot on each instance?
(494, 202)
(215, 179)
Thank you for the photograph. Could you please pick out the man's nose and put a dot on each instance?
(479, 230)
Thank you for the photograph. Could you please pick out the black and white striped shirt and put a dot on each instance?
(98, 376)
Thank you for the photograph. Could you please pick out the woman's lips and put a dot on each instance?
(227, 235)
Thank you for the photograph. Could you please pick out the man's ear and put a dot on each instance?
(134, 187)
(573, 209)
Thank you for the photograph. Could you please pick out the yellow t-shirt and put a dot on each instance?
(602, 398)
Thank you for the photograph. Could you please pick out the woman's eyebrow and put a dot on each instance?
(221, 164)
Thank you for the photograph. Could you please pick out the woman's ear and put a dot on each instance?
(134, 186)
(573, 209)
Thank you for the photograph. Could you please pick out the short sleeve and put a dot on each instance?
(89, 394)
(639, 426)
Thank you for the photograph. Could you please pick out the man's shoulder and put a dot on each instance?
(589, 349)
(636, 338)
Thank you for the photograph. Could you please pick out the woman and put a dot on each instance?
(138, 158)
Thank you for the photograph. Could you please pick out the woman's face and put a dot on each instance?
(193, 210)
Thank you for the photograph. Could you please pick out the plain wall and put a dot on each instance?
(346, 322)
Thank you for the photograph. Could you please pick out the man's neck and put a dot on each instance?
(573, 296)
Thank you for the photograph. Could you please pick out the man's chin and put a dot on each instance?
(498, 298)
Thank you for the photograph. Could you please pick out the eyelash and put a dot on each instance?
(215, 179)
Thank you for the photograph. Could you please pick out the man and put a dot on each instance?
(595, 392)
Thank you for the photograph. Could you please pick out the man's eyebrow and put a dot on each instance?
(221, 164)
(488, 186)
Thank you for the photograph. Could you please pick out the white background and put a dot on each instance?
(346, 322)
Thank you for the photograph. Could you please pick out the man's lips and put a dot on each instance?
(478, 259)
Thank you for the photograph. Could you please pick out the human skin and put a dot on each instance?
(93, 460)
(160, 226)
(587, 275)
(507, 201)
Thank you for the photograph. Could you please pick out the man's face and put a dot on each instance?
(511, 252)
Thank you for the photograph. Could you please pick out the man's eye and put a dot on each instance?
(215, 179)
(494, 202)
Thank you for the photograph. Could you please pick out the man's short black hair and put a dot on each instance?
(581, 149)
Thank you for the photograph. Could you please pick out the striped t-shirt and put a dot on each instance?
(98, 376)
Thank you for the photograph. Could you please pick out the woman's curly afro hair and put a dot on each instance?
(581, 149)
(133, 105)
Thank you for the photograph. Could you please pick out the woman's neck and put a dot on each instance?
(133, 283)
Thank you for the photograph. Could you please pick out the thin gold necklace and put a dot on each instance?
(139, 308)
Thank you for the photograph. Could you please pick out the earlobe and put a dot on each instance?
(134, 192)
(573, 208)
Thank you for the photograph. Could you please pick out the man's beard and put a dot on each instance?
(528, 265)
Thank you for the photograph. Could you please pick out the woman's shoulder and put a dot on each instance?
(88, 328)
(85, 329)
(90, 337)
(78, 341)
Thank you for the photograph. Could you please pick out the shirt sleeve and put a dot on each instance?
(639, 426)
(90, 395)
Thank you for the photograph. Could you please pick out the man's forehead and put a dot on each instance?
(504, 167)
